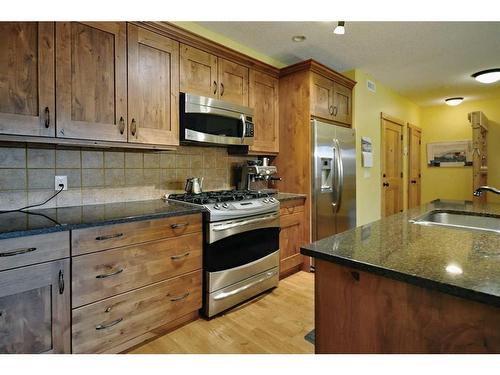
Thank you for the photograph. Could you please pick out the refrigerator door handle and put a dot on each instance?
(340, 175)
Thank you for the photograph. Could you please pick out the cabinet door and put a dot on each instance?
(233, 82)
(27, 78)
(91, 80)
(342, 103)
(35, 309)
(198, 72)
(322, 97)
(263, 98)
(153, 87)
(291, 238)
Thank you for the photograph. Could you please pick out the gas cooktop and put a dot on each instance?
(230, 204)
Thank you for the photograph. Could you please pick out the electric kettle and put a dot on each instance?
(194, 185)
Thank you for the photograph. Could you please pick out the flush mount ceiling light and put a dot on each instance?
(340, 28)
(454, 101)
(298, 38)
(487, 76)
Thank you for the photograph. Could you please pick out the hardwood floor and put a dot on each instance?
(275, 322)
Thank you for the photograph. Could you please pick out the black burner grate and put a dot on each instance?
(218, 196)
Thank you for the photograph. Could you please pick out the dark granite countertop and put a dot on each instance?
(18, 224)
(282, 197)
(461, 262)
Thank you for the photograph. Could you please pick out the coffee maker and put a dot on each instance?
(256, 176)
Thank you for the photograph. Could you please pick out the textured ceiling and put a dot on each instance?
(424, 61)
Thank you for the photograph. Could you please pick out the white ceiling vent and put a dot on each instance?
(370, 85)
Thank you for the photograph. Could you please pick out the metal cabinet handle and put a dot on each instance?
(61, 282)
(133, 127)
(175, 299)
(47, 117)
(243, 128)
(221, 89)
(103, 238)
(104, 326)
(181, 225)
(181, 256)
(385, 184)
(413, 181)
(17, 252)
(121, 125)
(355, 275)
(330, 110)
(105, 275)
(215, 87)
(335, 110)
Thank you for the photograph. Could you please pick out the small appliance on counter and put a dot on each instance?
(194, 185)
(256, 176)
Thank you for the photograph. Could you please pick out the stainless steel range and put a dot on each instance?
(241, 245)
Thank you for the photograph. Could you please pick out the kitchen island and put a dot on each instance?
(393, 286)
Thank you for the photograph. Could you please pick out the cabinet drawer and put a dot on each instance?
(292, 209)
(107, 273)
(103, 325)
(110, 236)
(23, 251)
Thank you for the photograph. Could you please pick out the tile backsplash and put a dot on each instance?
(105, 176)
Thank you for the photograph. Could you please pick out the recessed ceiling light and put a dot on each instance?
(454, 101)
(340, 28)
(298, 38)
(487, 76)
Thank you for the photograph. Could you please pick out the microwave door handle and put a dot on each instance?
(340, 175)
(244, 128)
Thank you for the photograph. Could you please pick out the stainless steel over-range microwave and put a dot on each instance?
(216, 122)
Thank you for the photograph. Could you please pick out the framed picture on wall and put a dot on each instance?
(449, 154)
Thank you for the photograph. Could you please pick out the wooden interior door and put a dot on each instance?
(27, 102)
(153, 87)
(91, 80)
(198, 72)
(263, 98)
(233, 82)
(322, 97)
(342, 104)
(35, 309)
(392, 166)
(414, 172)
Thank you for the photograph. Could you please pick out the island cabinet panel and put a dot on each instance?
(292, 236)
(263, 98)
(105, 274)
(233, 82)
(35, 309)
(153, 87)
(27, 97)
(198, 72)
(360, 312)
(102, 326)
(91, 80)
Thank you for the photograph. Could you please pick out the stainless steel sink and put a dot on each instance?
(457, 219)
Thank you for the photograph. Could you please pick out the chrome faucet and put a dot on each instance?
(480, 189)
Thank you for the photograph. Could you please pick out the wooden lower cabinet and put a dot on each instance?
(292, 236)
(35, 309)
(101, 326)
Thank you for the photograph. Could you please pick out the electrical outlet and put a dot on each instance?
(61, 180)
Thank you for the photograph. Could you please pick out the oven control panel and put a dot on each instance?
(244, 208)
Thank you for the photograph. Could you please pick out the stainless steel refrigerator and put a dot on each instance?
(334, 179)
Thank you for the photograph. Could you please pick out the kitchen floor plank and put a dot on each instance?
(275, 322)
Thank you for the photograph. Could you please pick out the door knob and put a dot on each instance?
(413, 181)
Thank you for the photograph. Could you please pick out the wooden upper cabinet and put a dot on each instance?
(233, 82)
(342, 104)
(27, 78)
(321, 96)
(153, 87)
(91, 80)
(198, 72)
(263, 98)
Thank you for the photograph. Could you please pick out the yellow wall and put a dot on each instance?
(367, 107)
(445, 123)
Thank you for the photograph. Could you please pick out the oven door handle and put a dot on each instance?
(241, 223)
(267, 276)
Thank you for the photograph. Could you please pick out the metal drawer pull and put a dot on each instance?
(244, 222)
(109, 274)
(267, 276)
(104, 326)
(47, 117)
(180, 297)
(102, 238)
(17, 252)
(175, 226)
(177, 257)
(61, 282)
